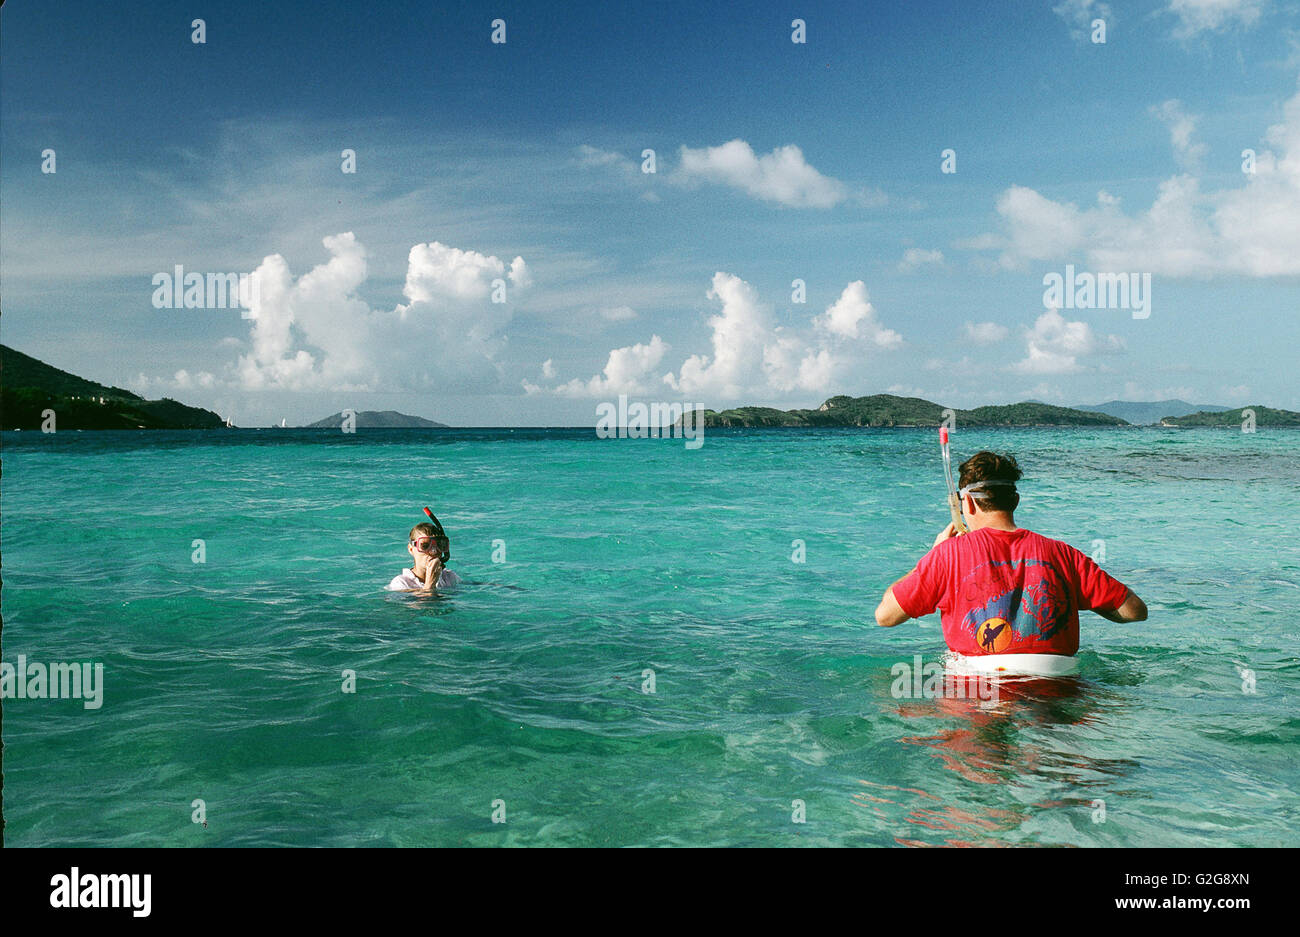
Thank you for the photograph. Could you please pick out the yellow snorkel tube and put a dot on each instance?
(954, 503)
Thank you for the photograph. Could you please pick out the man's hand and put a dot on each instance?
(946, 534)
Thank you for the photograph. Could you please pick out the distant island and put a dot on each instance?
(887, 410)
(1150, 412)
(29, 386)
(1264, 416)
(378, 419)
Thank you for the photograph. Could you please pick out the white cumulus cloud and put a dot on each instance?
(628, 371)
(315, 333)
(1251, 229)
(750, 355)
(740, 332)
(1054, 345)
(853, 316)
(782, 176)
(437, 273)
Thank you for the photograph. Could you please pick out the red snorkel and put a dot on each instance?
(440, 534)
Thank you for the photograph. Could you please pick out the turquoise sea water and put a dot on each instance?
(772, 684)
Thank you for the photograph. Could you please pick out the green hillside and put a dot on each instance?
(29, 386)
(1264, 416)
(1035, 414)
(888, 410)
(755, 416)
(20, 370)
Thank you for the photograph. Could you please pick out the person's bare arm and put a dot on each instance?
(1131, 609)
(889, 613)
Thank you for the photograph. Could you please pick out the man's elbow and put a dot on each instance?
(1133, 609)
(889, 614)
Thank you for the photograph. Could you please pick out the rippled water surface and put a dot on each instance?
(626, 561)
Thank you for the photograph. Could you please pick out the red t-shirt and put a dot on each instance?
(1008, 592)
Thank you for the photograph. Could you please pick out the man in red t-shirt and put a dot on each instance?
(1003, 589)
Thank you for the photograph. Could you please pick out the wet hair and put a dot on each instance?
(989, 466)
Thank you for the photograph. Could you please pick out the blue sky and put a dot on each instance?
(520, 162)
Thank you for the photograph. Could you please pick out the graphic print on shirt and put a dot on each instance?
(1019, 609)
